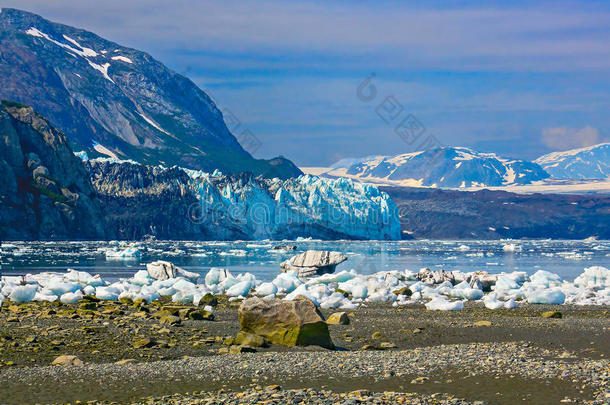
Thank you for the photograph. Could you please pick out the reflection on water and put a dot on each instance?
(566, 258)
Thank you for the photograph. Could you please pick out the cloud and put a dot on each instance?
(545, 36)
(564, 138)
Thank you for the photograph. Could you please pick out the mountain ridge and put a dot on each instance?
(113, 100)
(449, 167)
(591, 162)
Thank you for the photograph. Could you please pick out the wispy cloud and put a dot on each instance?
(564, 138)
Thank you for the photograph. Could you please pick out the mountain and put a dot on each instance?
(485, 214)
(114, 101)
(592, 162)
(45, 192)
(444, 167)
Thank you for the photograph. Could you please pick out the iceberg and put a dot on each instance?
(596, 277)
(442, 304)
(546, 297)
(24, 293)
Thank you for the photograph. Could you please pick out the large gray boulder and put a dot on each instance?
(290, 323)
(313, 262)
(162, 270)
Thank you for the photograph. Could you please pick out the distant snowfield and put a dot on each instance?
(551, 186)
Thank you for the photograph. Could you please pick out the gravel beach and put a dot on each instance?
(386, 354)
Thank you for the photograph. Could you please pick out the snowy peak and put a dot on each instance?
(592, 162)
(445, 167)
(118, 102)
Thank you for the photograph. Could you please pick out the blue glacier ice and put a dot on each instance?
(298, 207)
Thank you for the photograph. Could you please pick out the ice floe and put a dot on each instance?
(437, 290)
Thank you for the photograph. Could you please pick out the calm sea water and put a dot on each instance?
(566, 258)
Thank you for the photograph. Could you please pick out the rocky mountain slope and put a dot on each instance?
(592, 162)
(45, 192)
(448, 214)
(444, 167)
(115, 101)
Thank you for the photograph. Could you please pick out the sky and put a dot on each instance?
(319, 81)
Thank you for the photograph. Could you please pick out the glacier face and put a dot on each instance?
(307, 206)
(592, 162)
(216, 206)
(448, 167)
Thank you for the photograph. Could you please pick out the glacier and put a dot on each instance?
(297, 207)
(229, 207)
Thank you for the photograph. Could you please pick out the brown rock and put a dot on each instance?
(338, 318)
(289, 323)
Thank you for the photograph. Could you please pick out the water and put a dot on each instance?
(565, 258)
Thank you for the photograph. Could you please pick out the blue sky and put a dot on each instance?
(519, 79)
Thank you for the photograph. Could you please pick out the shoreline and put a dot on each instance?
(520, 352)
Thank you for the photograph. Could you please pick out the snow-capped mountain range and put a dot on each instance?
(115, 101)
(443, 167)
(592, 162)
(459, 167)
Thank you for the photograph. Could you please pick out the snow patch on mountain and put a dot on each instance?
(81, 51)
(122, 59)
(592, 162)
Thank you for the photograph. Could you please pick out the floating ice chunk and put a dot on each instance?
(546, 297)
(511, 247)
(340, 277)
(216, 276)
(463, 248)
(545, 279)
(266, 289)
(83, 278)
(71, 297)
(442, 304)
(510, 304)
(493, 304)
(359, 291)
(25, 293)
(45, 297)
(287, 282)
(107, 293)
(301, 290)
(240, 289)
(466, 293)
(596, 277)
(125, 254)
(384, 295)
(418, 286)
(89, 290)
(142, 278)
(57, 287)
(505, 283)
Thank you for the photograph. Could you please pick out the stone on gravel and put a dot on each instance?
(67, 360)
(249, 339)
(313, 262)
(482, 323)
(289, 323)
(241, 349)
(338, 318)
(551, 314)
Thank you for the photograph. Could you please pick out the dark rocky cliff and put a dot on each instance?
(45, 192)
